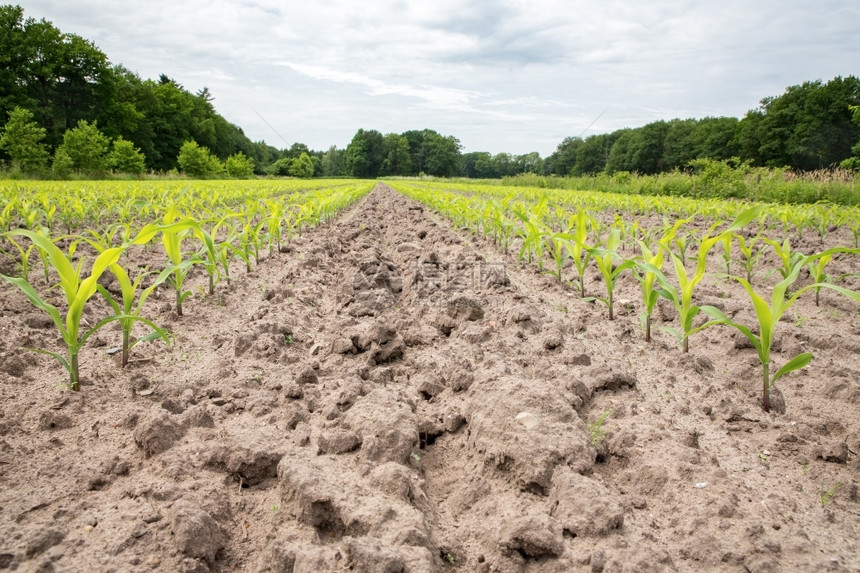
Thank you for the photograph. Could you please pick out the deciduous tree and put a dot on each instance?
(21, 138)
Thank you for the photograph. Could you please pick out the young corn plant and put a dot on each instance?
(726, 243)
(128, 313)
(274, 225)
(682, 297)
(788, 257)
(768, 316)
(172, 236)
(173, 231)
(579, 250)
(606, 259)
(533, 244)
(751, 253)
(77, 292)
(817, 264)
(647, 278)
(209, 252)
(558, 246)
(683, 244)
(23, 259)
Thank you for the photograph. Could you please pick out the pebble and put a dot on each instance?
(529, 421)
(702, 485)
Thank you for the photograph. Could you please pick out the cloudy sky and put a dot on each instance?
(502, 76)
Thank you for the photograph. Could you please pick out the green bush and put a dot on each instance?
(197, 161)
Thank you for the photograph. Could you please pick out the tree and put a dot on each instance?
(302, 167)
(333, 162)
(364, 154)
(86, 147)
(397, 159)
(529, 163)
(478, 165)
(639, 150)
(126, 158)
(21, 138)
(281, 167)
(441, 154)
(197, 161)
(63, 164)
(807, 127)
(593, 155)
(563, 160)
(239, 165)
(853, 162)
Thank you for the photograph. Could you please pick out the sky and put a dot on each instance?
(501, 76)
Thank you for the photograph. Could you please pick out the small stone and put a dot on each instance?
(702, 485)
(528, 421)
(337, 442)
(343, 346)
(598, 561)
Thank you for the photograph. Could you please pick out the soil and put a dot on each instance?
(387, 394)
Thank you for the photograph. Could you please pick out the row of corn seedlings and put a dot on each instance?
(214, 241)
(545, 230)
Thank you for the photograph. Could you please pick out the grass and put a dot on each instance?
(596, 430)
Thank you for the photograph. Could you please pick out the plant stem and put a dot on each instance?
(611, 314)
(648, 328)
(686, 344)
(125, 350)
(74, 374)
(765, 400)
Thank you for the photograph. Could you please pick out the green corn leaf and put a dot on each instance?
(36, 300)
(798, 361)
(59, 357)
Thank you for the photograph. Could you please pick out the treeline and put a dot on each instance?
(63, 79)
(810, 126)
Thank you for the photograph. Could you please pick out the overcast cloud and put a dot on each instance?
(502, 76)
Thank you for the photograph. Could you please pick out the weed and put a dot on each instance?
(596, 431)
(826, 496)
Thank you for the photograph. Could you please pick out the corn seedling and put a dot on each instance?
(788, 257)
(77, 292)
(751, 253)
(173, 232)
(817, 264)
(579, 250)
(127, 312)
(532, 235)
(23, 259)
(610, 271)
(682, 298)
(683, 244)
(647, 278)
(559, 249)
(768, 316)
(726, 243)
(210, 249)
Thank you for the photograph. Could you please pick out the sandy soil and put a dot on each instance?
(389, 395)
